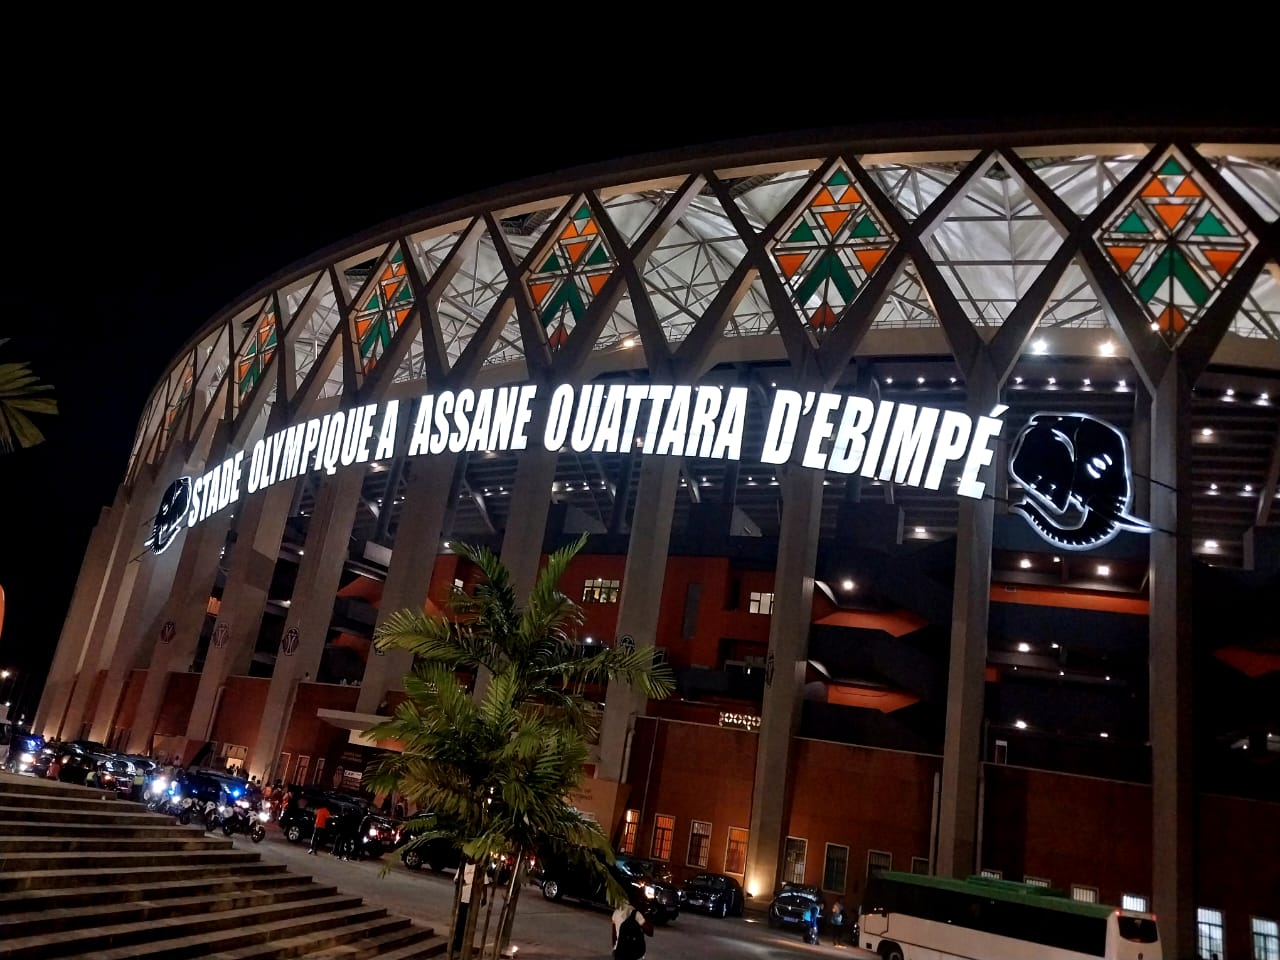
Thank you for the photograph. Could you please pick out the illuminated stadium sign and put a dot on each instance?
(899, 442)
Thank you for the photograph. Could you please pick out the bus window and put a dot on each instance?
(1138, 929)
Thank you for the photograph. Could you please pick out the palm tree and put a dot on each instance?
(18, 389)
(495, 772)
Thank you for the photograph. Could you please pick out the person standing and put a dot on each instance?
(319, 833)
(630, 927)
(837, 922)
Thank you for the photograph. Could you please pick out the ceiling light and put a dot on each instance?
(1104, 734)
(919, 379)
(1248, 488)
(1057, 559)
(846, 584)
(1024, 648)
(1107, 677)
(953, 380)
(1211, 544)
(1017, 379)
(773, 383)
(626, 343)
(1206, 432)
(1088, 382)
(1213, 488)
(1104, 570)
(1024, 563)
(285, 603)
(1120, 385)
(1062, 673)
(1052, 381)
(301, 551)
(1107, 348)
(1054, 645)
(920, 531)
(1155, 326)
(888, 379)
(1040, 346)
(1264, 397)
(1020, 724)
(1230, 392)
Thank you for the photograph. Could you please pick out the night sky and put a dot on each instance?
(128, 224)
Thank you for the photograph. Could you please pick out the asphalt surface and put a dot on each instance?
(543, 929)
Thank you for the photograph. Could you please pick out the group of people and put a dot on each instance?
(342, 829)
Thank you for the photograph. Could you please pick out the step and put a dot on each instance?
(95, 844)
(11, 784)
(360, 938)
(121, 862)
(85, 896)
(123, 813)
(410, 943)
(45, 880)
(92, 801)
(36, 828)
(201, 938)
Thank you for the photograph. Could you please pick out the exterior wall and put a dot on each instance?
(308, 735)
(1239, 870)
(239, 710)
(175, 707)
(129, 699)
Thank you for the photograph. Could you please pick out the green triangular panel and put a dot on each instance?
(865, 227)
(1132, 224)
(801, 234)
(1210, 226)
(1171, 167)
(839, 179)
(398, 257)
(597, 256)
(1157, 275)
(404, 295)
(373, 303)
(552, 263)
(820, 272)
(584, 213)
(1189, 278)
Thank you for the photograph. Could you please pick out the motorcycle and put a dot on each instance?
(240, 817)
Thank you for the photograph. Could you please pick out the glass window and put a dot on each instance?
(793, 860)
(835, 867)
(699, 843)
(598, 590)
(920, 865)
(664, 827)
(1035, 881)
(1266, 939)
(879, 860)
(1084, 894)
(1134, 901)
(630, 822)
(1209, 932)
(735, 851)
(761, 603)
(993, 874)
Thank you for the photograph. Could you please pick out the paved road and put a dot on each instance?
(542, 929)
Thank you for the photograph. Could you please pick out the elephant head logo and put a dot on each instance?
(1074, 471)
(171, 516)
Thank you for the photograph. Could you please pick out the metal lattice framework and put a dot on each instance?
(798, 265)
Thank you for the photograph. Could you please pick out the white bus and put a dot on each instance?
(906, 916)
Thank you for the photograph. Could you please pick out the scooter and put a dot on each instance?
(240, 817)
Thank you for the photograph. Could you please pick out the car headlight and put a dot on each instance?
(28, 758)
(649, 891)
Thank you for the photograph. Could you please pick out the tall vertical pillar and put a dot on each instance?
(527, 516)
(260, 525)
(422, 517)
(638, 607)
(970, 608)
(73, 643)
(784, 670)
(1170, 659)
(326, 551)
(184, 611)
(1140, 451)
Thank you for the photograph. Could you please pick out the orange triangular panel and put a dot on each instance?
(1155, 188)
(597, 281)
(1124, 256)
(570, 231)
(791, 262)
(870, 259)
(834, 220)
(1170, 213)
(1188, 188)
(576, 248)
(388, 274)
(1172, 320)
(851, 195)
(590, 229)
(401, 314)
(1223, 260)
(362, 326)
(539, 290)
(824, 199)
(824, 316)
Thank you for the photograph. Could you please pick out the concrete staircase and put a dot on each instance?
(84, 874)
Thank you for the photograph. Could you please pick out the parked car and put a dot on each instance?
(28, 754)
(437, 854)
(715, 893)
(559, 876)
(791, 905)
(379, 833)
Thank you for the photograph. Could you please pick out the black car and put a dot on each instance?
(560, 877)
(437, 854)
(378, 832)
(791, 906)
(28, 754)
(715, 893)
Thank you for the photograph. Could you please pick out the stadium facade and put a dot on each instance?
(939, 469)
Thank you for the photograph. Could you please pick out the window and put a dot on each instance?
(664, 827)
(459, 586)
(1209, 932)
(761, 603)
(282, 767)
(600, 591)
(1035, 881)
(1266, 939)
(689, 623)
(319, 775)
(735, 851)
(699, 844)
(1133, 901)
(300, 774)
(1084, 894)
(1002, 751)
(630, 822)
(878, 860)
(993, 874)
(835, 867)
(793, 858)
(920, 865)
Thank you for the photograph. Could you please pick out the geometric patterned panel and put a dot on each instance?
(257, 350)
(1256, 181)
(318, 316)
(1081, 182)
(180, 385)
(574, 268)
(1175, 247)
(212, 364)
(830, 249)
(385, 304)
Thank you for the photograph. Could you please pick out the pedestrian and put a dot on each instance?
(321, 829)
(811, 922)
(465, 875)
(837, 922)
(629, 927)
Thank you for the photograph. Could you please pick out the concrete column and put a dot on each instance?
(73, 644)
(173, 650)
(326, 551)
(1173, 864)
(784, 672)
(970, 607)
(260, 525)
(638, 609)
(527, 518)
(417, 544)
(1140, 451)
